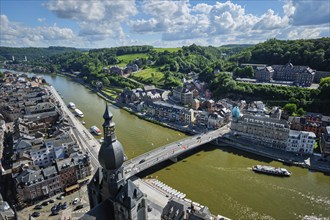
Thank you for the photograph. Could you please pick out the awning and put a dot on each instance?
(70, 188)
(84, 180)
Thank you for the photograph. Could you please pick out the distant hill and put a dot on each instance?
(236, 46)
(31, 53)
(314, 53)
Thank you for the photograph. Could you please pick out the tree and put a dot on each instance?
(300, 112)
(105, 81)
(325, 88)
(291, 108)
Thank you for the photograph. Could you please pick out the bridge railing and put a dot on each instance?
(134, 165)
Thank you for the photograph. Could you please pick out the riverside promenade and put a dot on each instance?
(313, 161)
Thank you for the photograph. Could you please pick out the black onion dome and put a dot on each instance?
(111, 155)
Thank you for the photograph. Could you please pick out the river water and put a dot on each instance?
(218, 177)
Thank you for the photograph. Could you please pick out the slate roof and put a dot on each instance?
(174, 210)
(103, 211)
(128, 195)
(49, 172)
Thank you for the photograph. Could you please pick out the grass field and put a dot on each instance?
(125, 59)
(171, 50)
(150, 73)
(113, 91)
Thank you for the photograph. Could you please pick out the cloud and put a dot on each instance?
(310, 12)
(15, 34)
(103, 23)
(41, 20)
(102, 18)
(223, 20)
(270, 21)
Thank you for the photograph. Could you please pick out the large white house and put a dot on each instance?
(301, 142)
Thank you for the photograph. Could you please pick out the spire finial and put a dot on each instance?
(107, 114)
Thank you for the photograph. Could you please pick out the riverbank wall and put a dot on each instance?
(312, 162)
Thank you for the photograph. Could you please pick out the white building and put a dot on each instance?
(301, 142)
(215, 121)
(53, 149)
(189, 116)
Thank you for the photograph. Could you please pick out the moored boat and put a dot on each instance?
(79, 113)
(96, 130)
(271, 170)
(72, 105)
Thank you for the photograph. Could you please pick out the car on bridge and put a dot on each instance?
(141, 161)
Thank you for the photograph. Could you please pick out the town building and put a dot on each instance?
(265, 131)
(2, 136)
(301, 142)
(319, 75)
(177, 209)
(33, 184)
(272, 132)
(195, 104)
(298, 75)
(6, 212)
(182, 95)
(148, 93)
(116, 70)
(313, 122)
(325, 141)
(265, 74)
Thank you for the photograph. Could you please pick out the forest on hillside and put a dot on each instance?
(314, 53)
(166, 68)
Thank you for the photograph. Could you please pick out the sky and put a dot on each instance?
(160, 23)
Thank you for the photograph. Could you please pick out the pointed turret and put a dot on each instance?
(111, 154)
(107, 114)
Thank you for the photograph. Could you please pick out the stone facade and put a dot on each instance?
(266, 131)
(325, 141)
(33, 184)
(265, 74)
(301, 142)
(298, 75)
(183, 95)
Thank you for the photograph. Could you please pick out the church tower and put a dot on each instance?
(111, 158)
(110, 195)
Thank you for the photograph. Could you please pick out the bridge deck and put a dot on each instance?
(172, 150)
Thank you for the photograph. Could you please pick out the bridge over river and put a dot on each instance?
(170, 151)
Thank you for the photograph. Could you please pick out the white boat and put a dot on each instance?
(79, 113)
(72, 105)
(96, 130)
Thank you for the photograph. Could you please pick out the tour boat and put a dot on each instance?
(96, 130)
(72, 105)
(79, 113)
(271, 170)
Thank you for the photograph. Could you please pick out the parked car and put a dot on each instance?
(53, 208)
(55, 212)
(64, 205)
(60, 197)
(45, 203)
(59, 207)
(38, 207)
(79, 206)
(35, 214)
(51, 201)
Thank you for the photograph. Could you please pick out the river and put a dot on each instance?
(218, 177)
